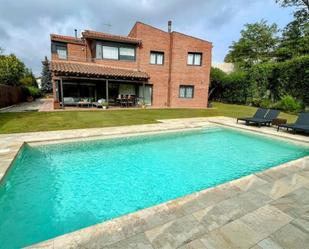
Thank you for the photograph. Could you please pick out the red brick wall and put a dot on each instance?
(183, 74)
(75, 52)
(156, 40)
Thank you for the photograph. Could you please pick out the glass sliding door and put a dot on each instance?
(145, 94)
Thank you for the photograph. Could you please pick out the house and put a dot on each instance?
(39, 82)
(224, 66)
(155, 67)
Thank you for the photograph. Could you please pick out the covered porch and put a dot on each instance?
(92, 85)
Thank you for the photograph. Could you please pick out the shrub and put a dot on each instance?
(281, 78)
(236, 88)
(217, 78)
(266, 103)
(33, 91)
(289, 104)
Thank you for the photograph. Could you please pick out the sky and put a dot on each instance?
(25, 25)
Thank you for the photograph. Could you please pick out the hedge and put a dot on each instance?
(264, 82)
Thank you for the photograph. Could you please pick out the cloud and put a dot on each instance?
(25, 25)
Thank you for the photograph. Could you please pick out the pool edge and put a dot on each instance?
(17, 143)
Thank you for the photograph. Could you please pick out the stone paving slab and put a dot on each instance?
(269, 209)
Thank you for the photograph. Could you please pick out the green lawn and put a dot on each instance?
(48, 121)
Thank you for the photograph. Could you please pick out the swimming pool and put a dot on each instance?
(55, 189)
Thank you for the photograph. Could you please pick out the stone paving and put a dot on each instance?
(269, 209)
(41, 105)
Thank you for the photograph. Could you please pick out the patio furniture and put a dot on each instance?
(278, 121)
(266, 120)
(131, 100)
(260, 113)
(124, 102)
(84, 102)
(99, 103)
(301, 124)
(70, 101)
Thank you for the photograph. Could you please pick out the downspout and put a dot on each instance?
(61, 89)
(169, 83)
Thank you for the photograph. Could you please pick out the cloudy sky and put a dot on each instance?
(25, 25)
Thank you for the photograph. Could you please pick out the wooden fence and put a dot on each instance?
(10, 95)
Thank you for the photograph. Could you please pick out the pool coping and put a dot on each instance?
(113, 229)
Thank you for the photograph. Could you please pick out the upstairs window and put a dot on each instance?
(60, 49)
(156, 58)
(127, 54)
(110, 52)
(114, 52)
(194, 59)
(186, 91)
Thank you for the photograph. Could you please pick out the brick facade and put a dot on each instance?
(165, 79)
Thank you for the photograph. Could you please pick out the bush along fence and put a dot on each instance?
(273, 84)
(10, 95)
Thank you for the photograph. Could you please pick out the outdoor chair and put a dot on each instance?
(260, 113)
(266, 120)
(301, 124)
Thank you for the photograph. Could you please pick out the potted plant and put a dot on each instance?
(105, 105)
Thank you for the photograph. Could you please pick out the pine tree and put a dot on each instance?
(46, 77)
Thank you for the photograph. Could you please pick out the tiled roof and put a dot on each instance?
(64, 38)
(94, 70)
(109, 37)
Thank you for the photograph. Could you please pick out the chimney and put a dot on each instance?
(169, 26)
(75, 30)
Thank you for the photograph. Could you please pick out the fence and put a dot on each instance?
(10, 95)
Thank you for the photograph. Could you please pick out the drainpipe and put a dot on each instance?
(169, 83)
(61, 89)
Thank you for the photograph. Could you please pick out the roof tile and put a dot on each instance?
(92, 69)
(64, 38)
(110, 37)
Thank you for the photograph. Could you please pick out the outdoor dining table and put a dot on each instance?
(82, 103)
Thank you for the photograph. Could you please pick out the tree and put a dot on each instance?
(46, 77)
(294, 3)
(28, 79)
(295, 36)
(11, 69)
(257, 44)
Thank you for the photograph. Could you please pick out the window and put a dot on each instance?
(127, 53)
(110, 52)
(194, 59)
(186, 92)
(156, 58)
(59, 48)
(61, 51)
(114, 51)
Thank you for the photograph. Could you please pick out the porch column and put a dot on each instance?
(95, 92)
(61, 89)
(106, 91)
(144, 92)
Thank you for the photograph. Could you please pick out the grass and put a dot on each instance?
(48, 121)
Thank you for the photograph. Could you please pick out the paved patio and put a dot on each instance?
(41, 105)
(265, 210)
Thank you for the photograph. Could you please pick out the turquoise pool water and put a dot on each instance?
(55, 189)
